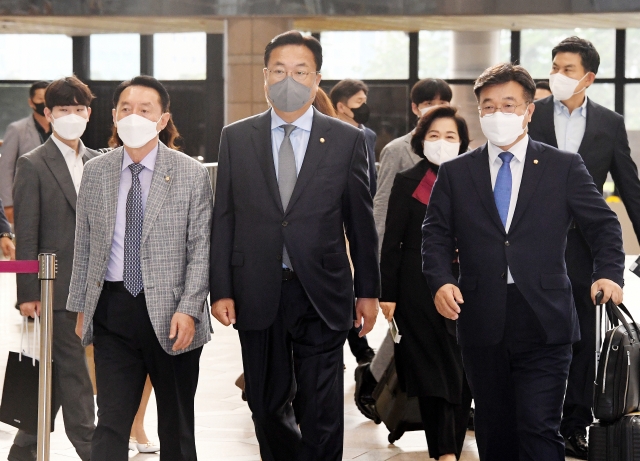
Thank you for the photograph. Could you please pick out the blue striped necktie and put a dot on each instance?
(502, 189)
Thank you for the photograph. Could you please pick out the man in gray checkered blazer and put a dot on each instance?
(140, 273)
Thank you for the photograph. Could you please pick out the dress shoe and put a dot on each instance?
(576, 445)
(148, 447)
(28, 453)
(365, 385)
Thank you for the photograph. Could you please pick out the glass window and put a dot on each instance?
(603, 94)
(505, 45)
(180, 56)
(434, 53)
(35, 57)
(115, 56)
(632, 106)
(13, 100)
(633, 58)
(536, 46)
(365, 55)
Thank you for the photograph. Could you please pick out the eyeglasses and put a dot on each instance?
(489, 110)
(299, 76)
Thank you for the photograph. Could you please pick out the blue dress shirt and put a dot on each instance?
(115, 268)
(570, 127)
(299, 137)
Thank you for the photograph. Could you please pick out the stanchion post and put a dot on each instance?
(47, 274)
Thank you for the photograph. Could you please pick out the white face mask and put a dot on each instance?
(69, 127)
(564, 87)
(440, 151)
(502, 129)
(135, 130)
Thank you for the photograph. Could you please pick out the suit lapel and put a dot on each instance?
(591, 129)
(58, 167)
(316, 151)
(534, 165)
(481, 175)
(261, 139)
(546, 117)
(160, 186)
(111, 185)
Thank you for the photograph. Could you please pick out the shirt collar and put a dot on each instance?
(560, 108)
(68, 152)
(519, 150)
(149, 161)
(304, 122)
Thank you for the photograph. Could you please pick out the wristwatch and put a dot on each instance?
(8, 235)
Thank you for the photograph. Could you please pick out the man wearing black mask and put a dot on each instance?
(22, 136)
(349, 98)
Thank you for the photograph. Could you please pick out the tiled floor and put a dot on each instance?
(224, 430)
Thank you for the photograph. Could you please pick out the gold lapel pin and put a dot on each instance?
(167, 178)
(535, 162)
(322, 140)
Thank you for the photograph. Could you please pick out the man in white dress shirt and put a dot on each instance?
(45, 193)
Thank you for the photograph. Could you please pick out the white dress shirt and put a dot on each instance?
(299, 137)
(73, 160)
(519, 151)
(570, 127)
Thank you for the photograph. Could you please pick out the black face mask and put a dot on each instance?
(39, 108)
(361, 114)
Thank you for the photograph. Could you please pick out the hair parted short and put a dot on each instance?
(427, 120)
(588, 53)
(39, 85)
(67, 91)
(505, 73)
(429, 89)
(345, 89)
(170, 134)
(293, 37)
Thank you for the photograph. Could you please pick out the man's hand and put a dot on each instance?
(79, 323)
(8, 248)
(30, 309)
(366, 314)
(8, 211)
(447, 299)
(224, 310)
(184, 327)
(610, 290)
(388, 309)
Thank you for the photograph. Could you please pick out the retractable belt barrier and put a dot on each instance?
(46, 268)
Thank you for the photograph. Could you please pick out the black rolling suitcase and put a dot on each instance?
(397, 411)
(619, 441)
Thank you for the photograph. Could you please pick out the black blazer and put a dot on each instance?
(331, 196)
(556, 188)
(44, 200)
(604, 149)
(4, 222)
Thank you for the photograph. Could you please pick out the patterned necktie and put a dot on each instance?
(133, 234)
(502, 189)
(287, 177)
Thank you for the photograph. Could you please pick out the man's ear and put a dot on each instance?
(415, 110)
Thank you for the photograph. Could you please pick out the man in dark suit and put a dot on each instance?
(291, 182)
(507, 207)
(6, 236)
(45, 195)
(572, 122)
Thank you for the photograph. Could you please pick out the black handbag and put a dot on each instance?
(617, 386)
(19, 405)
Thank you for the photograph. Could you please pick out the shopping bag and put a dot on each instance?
(19, 405)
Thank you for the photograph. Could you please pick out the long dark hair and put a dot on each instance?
(170, 134)
(425, 123)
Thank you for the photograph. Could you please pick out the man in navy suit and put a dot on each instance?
(507, 207)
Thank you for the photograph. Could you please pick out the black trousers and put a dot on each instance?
(299, 357)
(518, 387)
(126, 349)
(445, 424)
(576, 412)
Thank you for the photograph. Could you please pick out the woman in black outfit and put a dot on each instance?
(428, 359)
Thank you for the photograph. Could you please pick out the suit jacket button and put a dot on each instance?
(279, 257)
(285, 224)
(503, 275)
(507, 243)
(98, 284)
